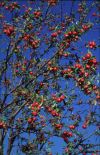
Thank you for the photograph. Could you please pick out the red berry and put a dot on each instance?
(94, 61)
(79, 66)
(59, 99)
(31, 73)
(69, 134)
(62, 97)
(29, 120)
(55, 34)
(94, 87)
(1, 124)
(58, 126)
(84, 58)
(88, 67)
(53, 112)
(72, 126)
(86, 74)
(49, 109)
(66, 139)
(84, 126)
(88, 55)
(34, 113)
(66, 35)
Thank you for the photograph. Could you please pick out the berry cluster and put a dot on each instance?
(31, 120)
(58, 126)
(2, 124)
(67, 72)
(54, 34)
(92, 44)
(84, 71)
(37, 14)
(35, 107)
(81, 73)
(66, 135)
(33, 42)
(58, 99)
(12, 6)
(72, 127)
(8, 30)
(52, 111)
(52, 2)
(86, 27)
(81, 8)
(71, 36)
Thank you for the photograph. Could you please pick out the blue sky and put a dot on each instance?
(92, 35)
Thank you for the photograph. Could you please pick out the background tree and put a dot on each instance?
(49, 77)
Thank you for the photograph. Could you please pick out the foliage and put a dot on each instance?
(49, 77)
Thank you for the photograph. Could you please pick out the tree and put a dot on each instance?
(49, 77)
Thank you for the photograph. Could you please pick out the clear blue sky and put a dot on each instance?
(92, 35)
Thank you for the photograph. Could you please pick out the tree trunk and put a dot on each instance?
(1, 143)
(10, 143)
(9, 148)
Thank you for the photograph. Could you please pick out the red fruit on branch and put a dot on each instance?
(88, 56)
(72, 127)
(8, 30)
(66, 139)
(58, 99)
(92, 44)
(86, 74)
(70, 33)
(41, 84)
(36, 104)
(58, 126)
(55, 34)
(67, 134)
(84, 58)
(94, 61)
(94, 87)
(98, 97)
(66, 150)
(75, 33)
(88, 66)
(85, 27)
(65, 54)
(64, 133)
(52, 2)
(66, 35)
(11, 29)
(37, 14)
(53, 112)
(30, 120)
(34, 119)
(62, 97)
(31, 73)
(70, 134)
(34, 113)
(79, 66)
(59, 31)
(26, 37)
(81, 80)
(82, 72)
(49, 109)
(41, 57)
(84, 126)
(1, 125)
(54, 69)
